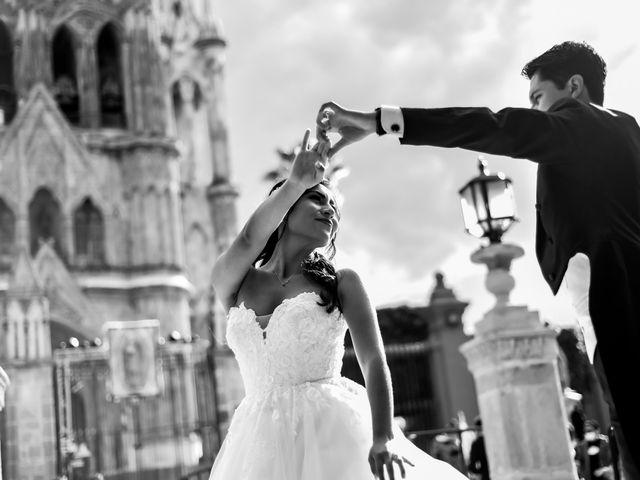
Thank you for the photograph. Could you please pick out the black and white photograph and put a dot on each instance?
(319, 240)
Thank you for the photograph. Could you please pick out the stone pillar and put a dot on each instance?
(513, 358)
(220, 193)
(30, 418)
(454, 388)
(4, 383)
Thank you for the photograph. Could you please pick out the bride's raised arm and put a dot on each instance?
(233, 264)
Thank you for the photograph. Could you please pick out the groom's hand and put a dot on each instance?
(351, 125)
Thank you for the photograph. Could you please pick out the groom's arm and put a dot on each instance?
(542, 137)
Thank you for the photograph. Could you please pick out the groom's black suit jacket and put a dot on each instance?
(588, 200)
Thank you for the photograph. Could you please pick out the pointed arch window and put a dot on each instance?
(65, 79)
(45, 222)
(8, 99)
(7, 234)
(89, 234)
(110, 89)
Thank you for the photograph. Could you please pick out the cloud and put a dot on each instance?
(380, 197)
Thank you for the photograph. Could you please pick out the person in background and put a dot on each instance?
(593, 454)
(478, 464)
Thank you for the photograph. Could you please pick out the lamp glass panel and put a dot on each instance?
(480, 200)
(501, 200)
(468, 210)
(469, 213)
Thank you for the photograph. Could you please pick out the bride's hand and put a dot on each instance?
(309, 165)
(382, 457)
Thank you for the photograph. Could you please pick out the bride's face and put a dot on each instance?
(315, 215)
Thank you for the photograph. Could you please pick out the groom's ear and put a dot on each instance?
(576, 86)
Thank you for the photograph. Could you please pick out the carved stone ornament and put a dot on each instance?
(510, 350)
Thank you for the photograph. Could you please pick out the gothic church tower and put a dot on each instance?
(115, 193)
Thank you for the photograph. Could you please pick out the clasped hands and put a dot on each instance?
(350, 125)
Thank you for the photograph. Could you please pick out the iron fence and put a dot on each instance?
(160, 437)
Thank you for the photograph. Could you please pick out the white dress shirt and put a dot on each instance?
(577, 280)
(391, 120)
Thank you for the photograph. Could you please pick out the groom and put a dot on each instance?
(588, 200)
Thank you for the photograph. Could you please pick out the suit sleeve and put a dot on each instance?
(542, 137)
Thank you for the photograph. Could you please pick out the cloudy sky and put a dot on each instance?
(401, 214)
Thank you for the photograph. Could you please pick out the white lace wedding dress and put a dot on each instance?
(300, 420)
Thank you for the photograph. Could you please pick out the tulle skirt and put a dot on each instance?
(313, 431)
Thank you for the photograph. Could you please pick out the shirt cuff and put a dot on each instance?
(391, 120)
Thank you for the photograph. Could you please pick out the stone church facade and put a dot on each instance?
(115, 198)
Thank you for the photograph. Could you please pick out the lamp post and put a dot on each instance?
(489, 210)
(513, 356)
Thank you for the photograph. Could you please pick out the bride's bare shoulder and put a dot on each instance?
(350, 287)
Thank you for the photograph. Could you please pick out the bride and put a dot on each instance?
(288, 312)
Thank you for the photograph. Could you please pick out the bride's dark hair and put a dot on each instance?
(316, 267)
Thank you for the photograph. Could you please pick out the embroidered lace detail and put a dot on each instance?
(303, 344)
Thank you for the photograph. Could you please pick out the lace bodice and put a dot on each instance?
(301, 343)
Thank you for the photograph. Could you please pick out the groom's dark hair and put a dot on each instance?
(562, 61)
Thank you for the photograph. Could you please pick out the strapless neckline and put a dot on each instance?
(242, 306)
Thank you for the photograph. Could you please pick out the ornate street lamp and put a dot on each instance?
(513, 355)
(488, 204)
